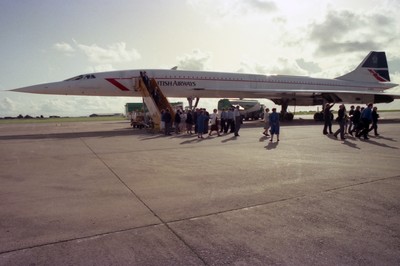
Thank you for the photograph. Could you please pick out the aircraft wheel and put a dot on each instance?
(289, 116)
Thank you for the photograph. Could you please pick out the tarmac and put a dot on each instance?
(102, 193)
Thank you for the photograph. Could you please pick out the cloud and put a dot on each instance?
(232, 9)
(280, 66)
(64, 47)
(53, 106)
(113, 53)
(100, 68)
(344, 31)
(7, 107)
(265, 6)
(394, 64)
(197, 60)
(311, 67)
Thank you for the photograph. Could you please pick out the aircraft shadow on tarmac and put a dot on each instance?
(70, 135)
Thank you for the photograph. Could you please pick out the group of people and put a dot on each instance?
(231, 120)
(358, 121)
(202, 122)
(271, 124)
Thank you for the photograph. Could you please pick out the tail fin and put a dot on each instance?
(373, 68)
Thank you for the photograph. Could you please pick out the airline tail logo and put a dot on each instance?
(373, 68)
(378, 74)
(375, 60)
(376, 64)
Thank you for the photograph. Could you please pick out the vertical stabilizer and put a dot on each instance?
(373, 68)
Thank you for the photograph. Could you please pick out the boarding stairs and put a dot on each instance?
(153, 105)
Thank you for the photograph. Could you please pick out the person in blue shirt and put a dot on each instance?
(200, 124)
(366, 119)
(274, 124)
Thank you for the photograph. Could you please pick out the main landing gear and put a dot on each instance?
(285, 115)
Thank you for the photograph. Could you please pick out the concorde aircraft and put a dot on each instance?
(366, 83)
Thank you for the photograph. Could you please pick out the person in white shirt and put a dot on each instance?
(182, 124)
(224, 118)
(230, 124)
(266, 122)
(214, 122)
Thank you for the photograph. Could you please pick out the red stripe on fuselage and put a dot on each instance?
(117, 84)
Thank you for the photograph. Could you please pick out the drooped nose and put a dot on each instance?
(47, 88)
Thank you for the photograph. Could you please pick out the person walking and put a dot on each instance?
(189, 122)
(375, 117)
(177, 121)
(230, 125)
(366, 119)
(342, 121)
(206, 121)
(327, 118)
(274, 124)
(168, 122)
(238, 120)
(356, 120)
(214, 122)
(351, 124)
(162, 122)
(266, 122)
(224, 118)
(201, 117)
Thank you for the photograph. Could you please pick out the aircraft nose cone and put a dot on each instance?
(48, 88)
(24, 89)
(30, 89)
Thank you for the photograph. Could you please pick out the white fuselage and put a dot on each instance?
(202, 84)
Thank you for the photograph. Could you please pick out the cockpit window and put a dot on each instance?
(91, 76)
(88, 76)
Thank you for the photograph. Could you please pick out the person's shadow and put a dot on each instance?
(272, 145)
(229, 139)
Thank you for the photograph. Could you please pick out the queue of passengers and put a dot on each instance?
(200, 121)
(358, 120)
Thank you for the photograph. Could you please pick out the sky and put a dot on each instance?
(52, 40)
